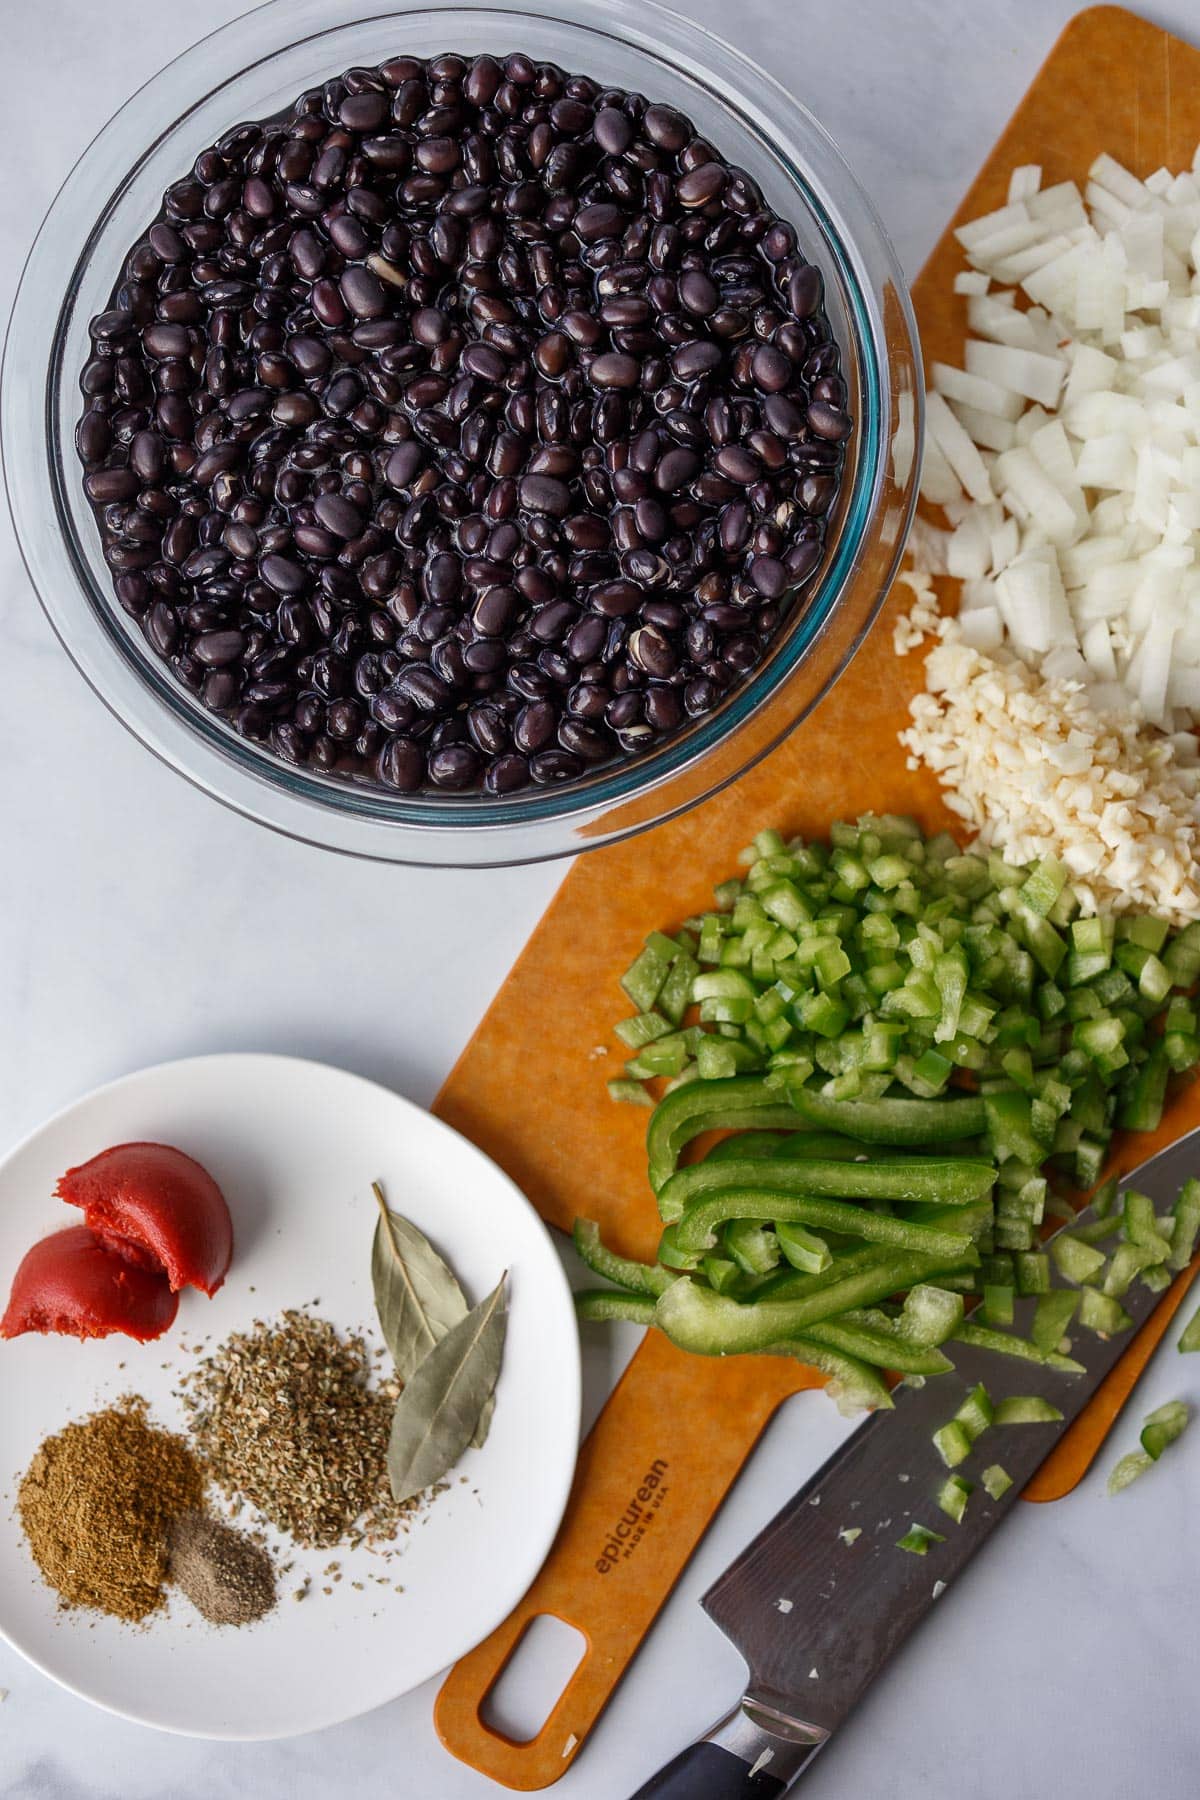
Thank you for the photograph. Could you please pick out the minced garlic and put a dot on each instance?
(1035, 770)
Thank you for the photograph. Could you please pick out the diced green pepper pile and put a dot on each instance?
(909, 1042)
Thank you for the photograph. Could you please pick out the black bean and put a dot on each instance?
(803, 558)
(769, 576)
(666, 127)
(364, 112)
(599, 220)
(804, 291)
(284, 575)
(737, 464)
(650, 649)
(403, 464)
(165, 341)
(107, 485)
(543, 494)
(338, 515)
(675, 469)
(506, 774)
(216, 648)
(162, 627)
(401, 764)
(702, 184)
(550, 767)
(828, 421)
(589, 742)
(108, 326)
(817, 493)
(663, 709)
(363, 292)
(613, 370)
(534, 726)
(552, 624)
(771, 369)
(462, 392)
(613, 130)
(616, 599)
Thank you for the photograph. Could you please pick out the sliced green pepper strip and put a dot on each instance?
(801, 1142)
(721, 1274)
(753, 1248)
(944, 1181)
(733, 1103)
(696, 1319)
(884, 1349)
(671, 1257)
(610, 1303)
(636, 1277)
(803, 1249)
(1005, 1345)
(873, 1260)
(913, 1124)
(747, 1143)
(701, 1222)
(854, 1386)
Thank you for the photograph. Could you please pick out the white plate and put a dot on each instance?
(295, 1146)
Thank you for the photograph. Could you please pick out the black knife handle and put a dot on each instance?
(753, 1754)
(706, 1772)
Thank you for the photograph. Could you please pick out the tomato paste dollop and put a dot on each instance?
(78, 1285)
(157, 1207)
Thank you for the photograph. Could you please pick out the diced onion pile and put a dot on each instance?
(1067, 453)
(1061, 702)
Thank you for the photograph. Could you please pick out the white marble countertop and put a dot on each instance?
(139, 921)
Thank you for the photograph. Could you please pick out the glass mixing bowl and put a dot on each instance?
(253, 67)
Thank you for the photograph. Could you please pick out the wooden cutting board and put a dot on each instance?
(530, 1086)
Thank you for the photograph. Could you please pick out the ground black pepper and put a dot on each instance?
(227, 1575)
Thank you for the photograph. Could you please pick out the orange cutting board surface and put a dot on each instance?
(530, 1086)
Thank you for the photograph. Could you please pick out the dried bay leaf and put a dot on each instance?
(416, 1295)
(437, 1414)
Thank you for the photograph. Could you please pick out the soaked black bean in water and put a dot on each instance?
(467, 426)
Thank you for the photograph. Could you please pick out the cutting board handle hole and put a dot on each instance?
(529, 1686)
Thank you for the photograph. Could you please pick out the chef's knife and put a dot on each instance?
(817, 1610)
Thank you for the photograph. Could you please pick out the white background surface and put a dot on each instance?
(138, 921)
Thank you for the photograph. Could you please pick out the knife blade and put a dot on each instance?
(816, 1610)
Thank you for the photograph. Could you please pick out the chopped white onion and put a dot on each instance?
(1066, 450)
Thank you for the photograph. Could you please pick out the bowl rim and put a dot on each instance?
(704, 60)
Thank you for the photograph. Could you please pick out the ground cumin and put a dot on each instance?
(97, 1503)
